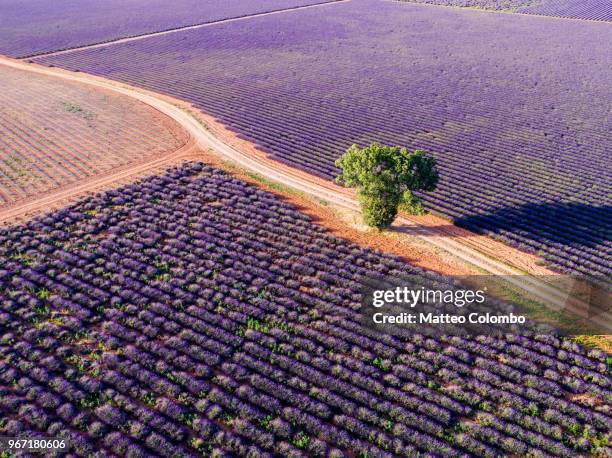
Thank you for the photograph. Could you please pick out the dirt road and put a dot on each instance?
(208, 137)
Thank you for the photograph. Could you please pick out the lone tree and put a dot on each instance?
(385, 178)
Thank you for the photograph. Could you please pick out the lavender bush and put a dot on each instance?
(517, 119)
(173, 317)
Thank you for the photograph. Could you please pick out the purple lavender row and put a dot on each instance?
(169, 315)
(503, 5)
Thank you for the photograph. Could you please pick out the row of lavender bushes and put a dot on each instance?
(192, 314)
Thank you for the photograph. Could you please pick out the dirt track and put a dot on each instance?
(208, 134)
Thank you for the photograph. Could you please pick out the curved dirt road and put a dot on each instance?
(552, 296)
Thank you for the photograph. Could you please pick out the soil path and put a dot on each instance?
(209, 134)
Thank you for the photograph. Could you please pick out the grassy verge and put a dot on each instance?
(580, 329)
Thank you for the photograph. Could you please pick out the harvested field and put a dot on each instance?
(55, 133)
(40, 26)
(192, 314)
(518, 120)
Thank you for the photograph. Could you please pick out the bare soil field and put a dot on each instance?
(55, 133)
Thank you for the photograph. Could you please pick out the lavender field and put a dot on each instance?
(192, 314)
(496, 5)
(594, 10)
(30, 27)
(515, 107)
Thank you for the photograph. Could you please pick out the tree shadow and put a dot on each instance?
(560, 225)
(573, 237)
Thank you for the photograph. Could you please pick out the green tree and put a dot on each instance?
(385, 178)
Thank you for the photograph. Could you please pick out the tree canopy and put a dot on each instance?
(385, 178)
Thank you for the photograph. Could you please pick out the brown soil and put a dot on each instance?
(55, 133)
(524, 261)
(25, 209)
